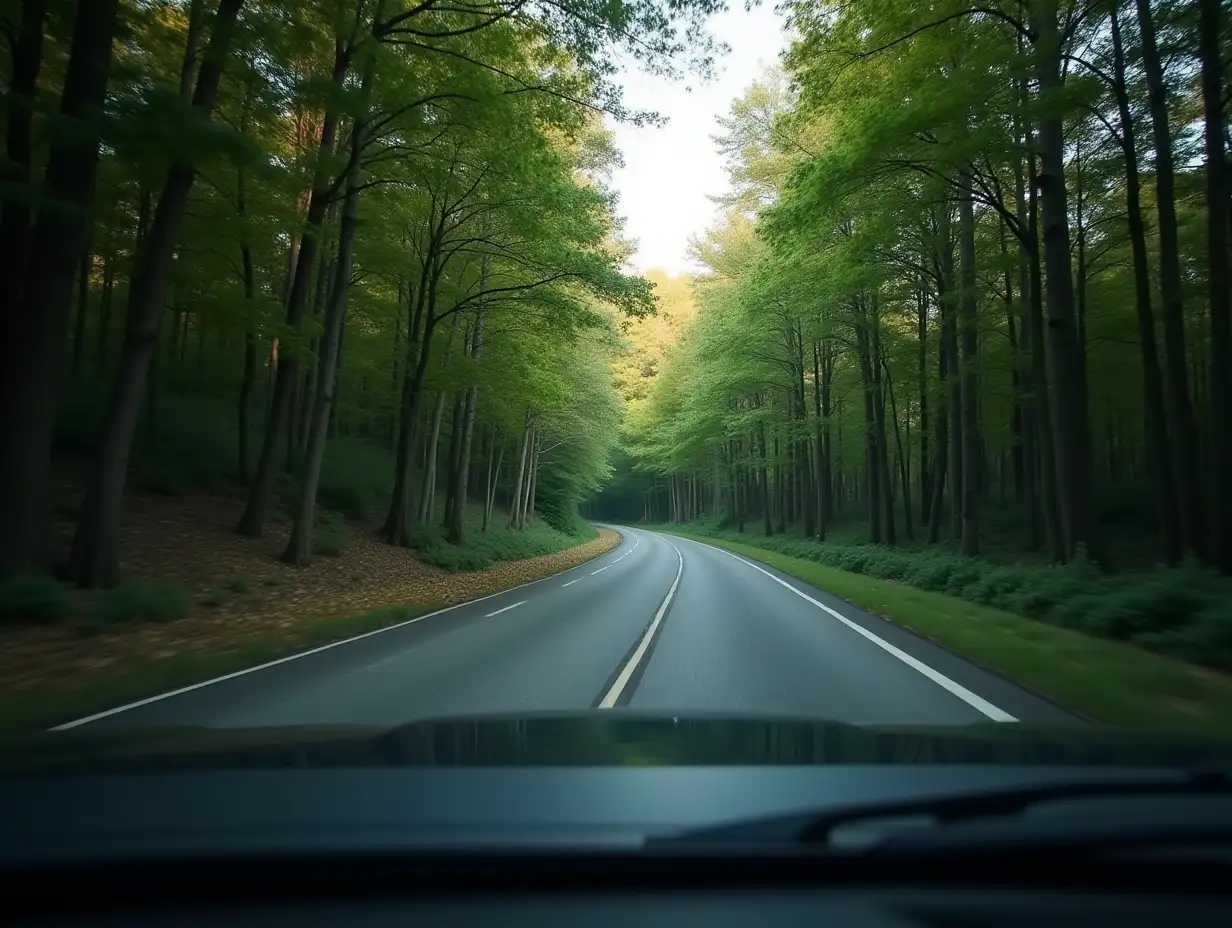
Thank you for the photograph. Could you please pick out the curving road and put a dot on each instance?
(659, 623)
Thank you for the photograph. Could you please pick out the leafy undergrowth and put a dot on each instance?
(1110, 681)
(1183, 612)
(481, 549)
(196, 596)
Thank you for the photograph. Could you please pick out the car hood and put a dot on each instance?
(602, 738)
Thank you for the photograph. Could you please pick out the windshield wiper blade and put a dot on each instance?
(813, 828)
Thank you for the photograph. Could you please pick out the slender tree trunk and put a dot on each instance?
(457, 526)
(1070, 412)
(922, 387)
(942, 439)
(299, 547)
(95, 555)
(1218, 216)
(493, 478)
(427, 497)
(1155, 418)
(1181, 422)
(34, 317)
(515, 504)
(252, 522)
(1033, 337)
(767, 527)
(972, 443)
(904, 461)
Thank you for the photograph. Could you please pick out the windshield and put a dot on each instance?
(864, 365)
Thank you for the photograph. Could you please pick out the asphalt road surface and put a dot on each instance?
(660, 623)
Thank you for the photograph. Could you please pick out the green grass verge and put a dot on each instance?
(1108, 681)
(147, 677)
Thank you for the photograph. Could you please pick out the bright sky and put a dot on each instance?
(669, 172)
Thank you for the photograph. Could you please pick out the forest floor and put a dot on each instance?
(243, 605)
(1111, 682)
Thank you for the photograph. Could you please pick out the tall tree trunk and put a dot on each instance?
(528, 506)
(94, 560)
(299, 547)
(1070, 413)
(515, 503)
(1181, 423)
(969, 425)
(252, 521)
(493, 477)
(457, 525)
(904, 459)
(941, 440)
(884, 479)
(427, 497)
(37, 299)
(26, 59)
(872, 454)
(767, 526)
(1218, 216)
(1155, 418)
(922, 388)
(823, 463)
(1033, 338)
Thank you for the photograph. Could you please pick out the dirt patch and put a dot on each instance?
(241, 589)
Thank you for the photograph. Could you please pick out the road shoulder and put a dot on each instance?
(1105, 681)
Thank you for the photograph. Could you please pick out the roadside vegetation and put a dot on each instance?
(963, 324)
(1111, 682)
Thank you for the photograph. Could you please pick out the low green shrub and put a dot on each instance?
(1183, 611)
(141, 601)
(330, 538)
(34, 598)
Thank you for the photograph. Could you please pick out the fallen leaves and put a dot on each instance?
(190, 541)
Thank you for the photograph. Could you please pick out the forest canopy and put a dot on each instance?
(970, 288)
(354, 255)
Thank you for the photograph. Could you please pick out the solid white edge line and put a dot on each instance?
(106, 713)
(957, 689)
(506, 609)
(609, 698)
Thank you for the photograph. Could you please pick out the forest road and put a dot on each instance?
(658, 624)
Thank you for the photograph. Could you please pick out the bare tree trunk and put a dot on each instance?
(252, 522)
(457, 524)
(1187, 480)
(1155, 418)
(942, 440)
(37, 296)
(1071, 416)
(493, 478)
(968, 378)
(299, 547)
(515, 503)
(94, 560)
(1218, 216)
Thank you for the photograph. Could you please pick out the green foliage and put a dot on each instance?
(141, 601)
(331, 537)
(482, 549)
(1183, 611)
(356, 478)
(34, 598)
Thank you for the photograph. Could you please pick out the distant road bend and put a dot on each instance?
(659, 623)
